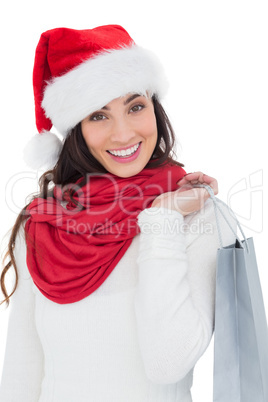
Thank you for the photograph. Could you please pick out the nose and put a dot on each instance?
(121, 131)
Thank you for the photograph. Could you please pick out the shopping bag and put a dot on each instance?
(241, 334)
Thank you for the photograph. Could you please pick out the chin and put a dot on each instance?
(127, 171)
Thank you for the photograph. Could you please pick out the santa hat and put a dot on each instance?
(76, 72)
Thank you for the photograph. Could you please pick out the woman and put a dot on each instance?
(115, 262)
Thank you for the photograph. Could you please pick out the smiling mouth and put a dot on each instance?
(125, 153)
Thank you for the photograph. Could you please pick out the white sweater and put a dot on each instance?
(137, 338)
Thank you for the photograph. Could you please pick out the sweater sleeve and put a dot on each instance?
(23, 361)
(174, 300)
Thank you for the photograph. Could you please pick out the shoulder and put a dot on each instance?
(203, 224)
(20, 253)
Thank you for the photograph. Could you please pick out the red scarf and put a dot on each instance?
(70, 252)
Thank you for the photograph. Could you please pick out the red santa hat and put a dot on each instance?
(77, 72)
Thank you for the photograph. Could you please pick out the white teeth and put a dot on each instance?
(125, 152)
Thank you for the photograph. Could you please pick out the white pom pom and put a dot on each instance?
(42, 151)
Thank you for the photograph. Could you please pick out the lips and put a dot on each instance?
(125, 155)
(124, 152)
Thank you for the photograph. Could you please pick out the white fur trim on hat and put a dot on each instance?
(70, 98)
(42, 150)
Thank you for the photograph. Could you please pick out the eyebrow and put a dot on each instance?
(128, 100)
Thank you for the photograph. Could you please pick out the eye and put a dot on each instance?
(97, 117)
(137, 108)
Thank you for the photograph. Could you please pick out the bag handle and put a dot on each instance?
(216, 202)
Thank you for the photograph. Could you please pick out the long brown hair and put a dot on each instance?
(75, 161)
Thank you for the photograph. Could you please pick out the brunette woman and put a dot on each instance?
(115, 257)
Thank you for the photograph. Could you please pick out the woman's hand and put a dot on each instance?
(188, 198)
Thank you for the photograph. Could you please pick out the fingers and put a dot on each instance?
(190, 179)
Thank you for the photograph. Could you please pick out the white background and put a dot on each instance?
(215, 55)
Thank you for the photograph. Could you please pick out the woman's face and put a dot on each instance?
(122, 135)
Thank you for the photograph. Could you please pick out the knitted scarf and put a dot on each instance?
(76, 238)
